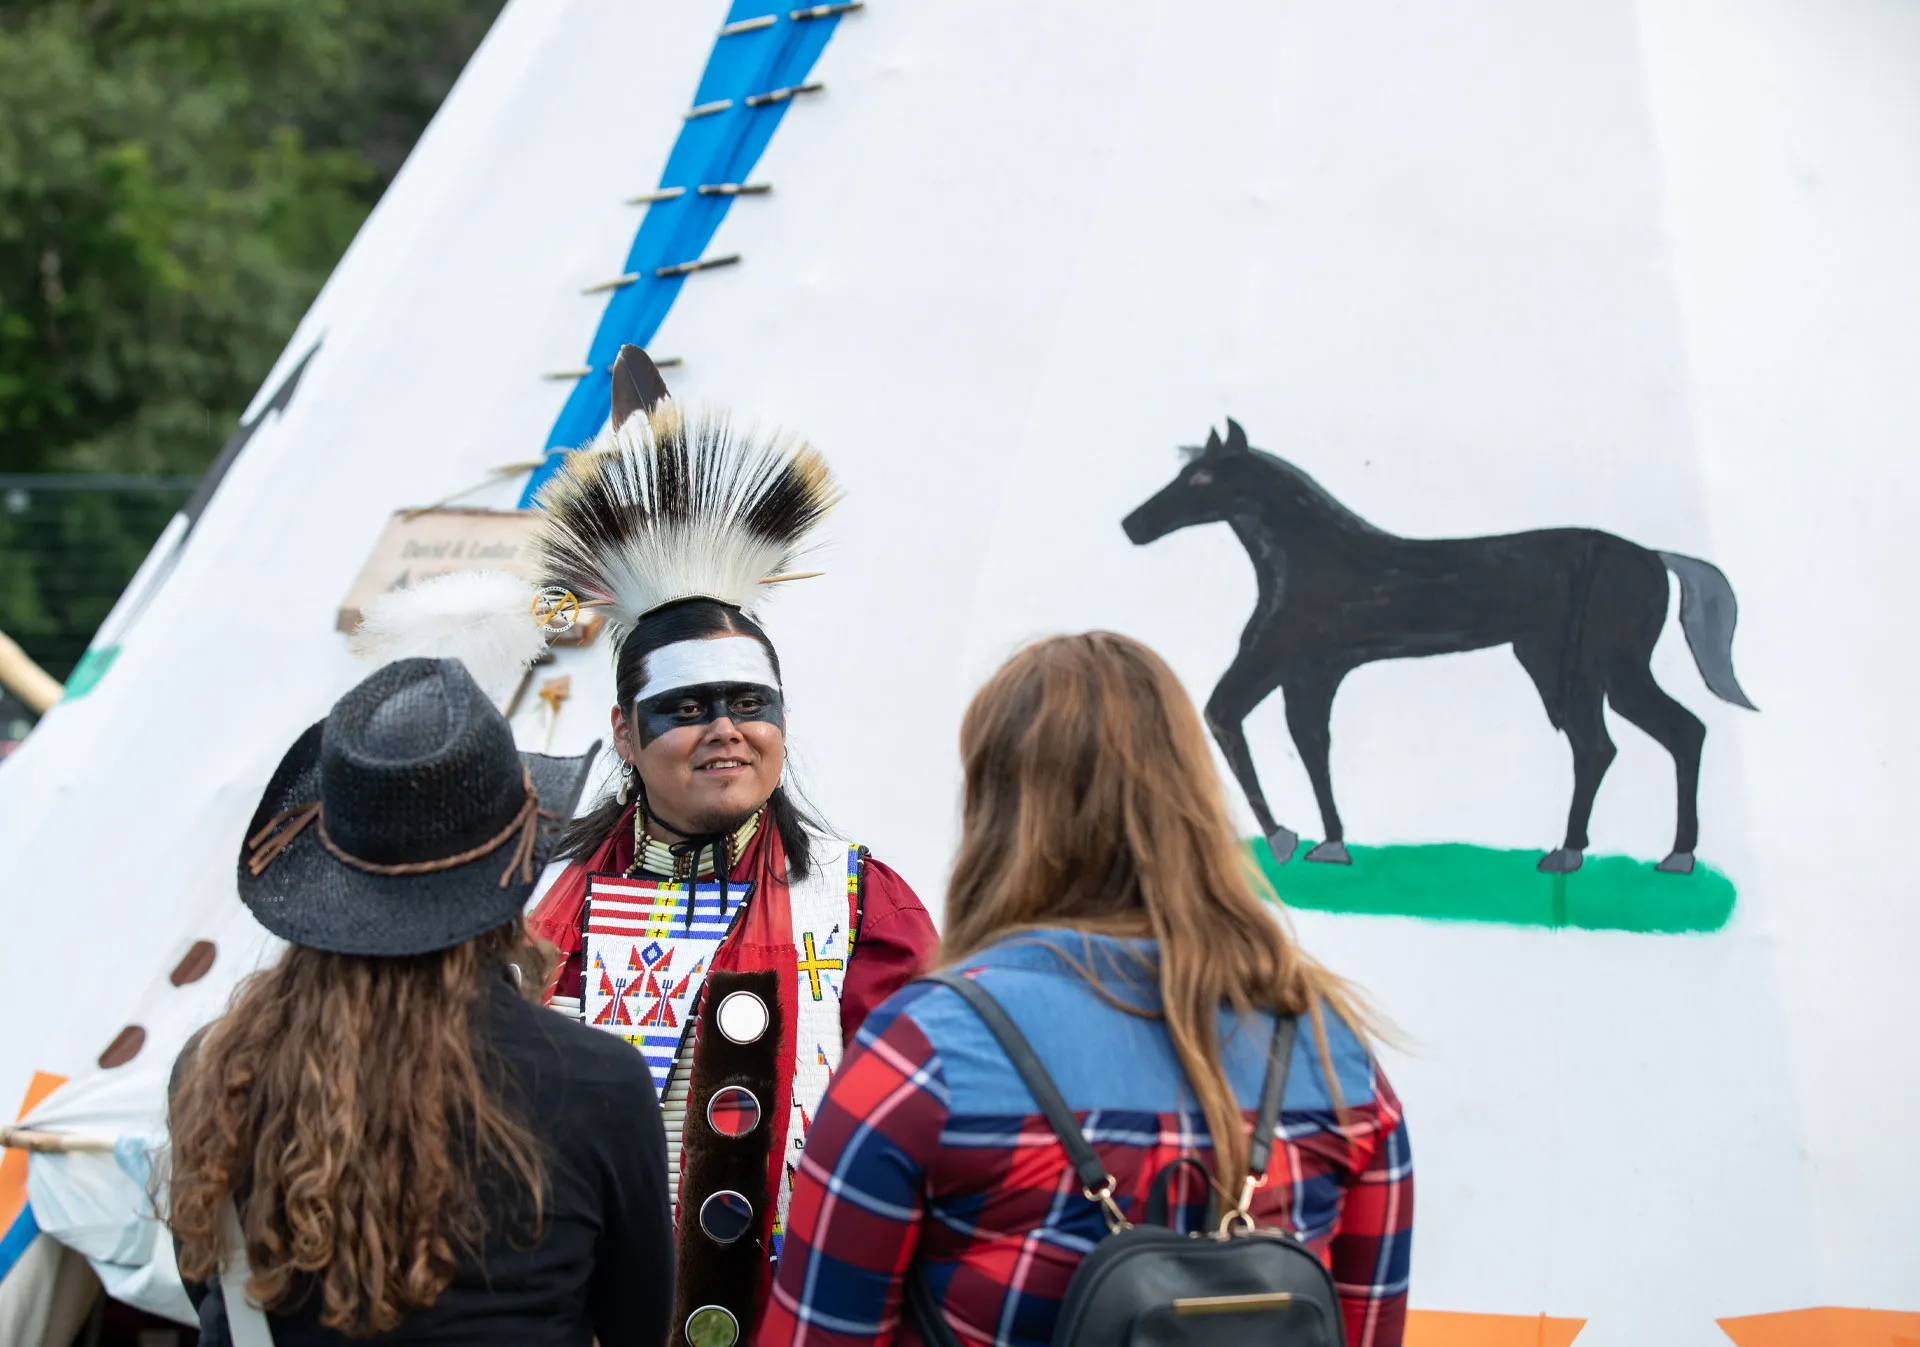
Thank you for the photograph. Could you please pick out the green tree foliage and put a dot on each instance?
(177, 178)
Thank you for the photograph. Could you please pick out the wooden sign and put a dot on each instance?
(417, 545)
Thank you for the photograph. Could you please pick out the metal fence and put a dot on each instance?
(68, 545)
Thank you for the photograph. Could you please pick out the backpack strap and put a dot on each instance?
(1260, 1144)
(246, 1322)
(1159, 1192)
(1095, 1183)
(1279, 1058)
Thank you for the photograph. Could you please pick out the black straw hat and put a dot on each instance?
(406, 821)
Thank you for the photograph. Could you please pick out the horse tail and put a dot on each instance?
(1708, 612)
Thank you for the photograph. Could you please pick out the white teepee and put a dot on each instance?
(1478, 268)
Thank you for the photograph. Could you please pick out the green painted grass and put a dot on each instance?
(1452, 881)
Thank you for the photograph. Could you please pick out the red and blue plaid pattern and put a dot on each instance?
(733, 1111)
(916, 1159)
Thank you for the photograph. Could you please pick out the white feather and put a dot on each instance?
(484, 619)
(657, 510)
(677, 561)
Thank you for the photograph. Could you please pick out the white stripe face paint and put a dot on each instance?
(723, 659)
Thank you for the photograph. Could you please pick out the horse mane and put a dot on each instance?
(1315, 496)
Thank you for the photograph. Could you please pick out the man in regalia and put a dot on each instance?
(706, 918)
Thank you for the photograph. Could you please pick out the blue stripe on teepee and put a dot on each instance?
(14, 1243)
(718, 148)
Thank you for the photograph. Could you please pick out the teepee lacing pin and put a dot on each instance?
(706, 109)
(616, 283)
(699, 264)
(53, 1143)
(735, 188)
(749, 25)
(493, 475)
(782, 95)
(826, 11)
(582, 371)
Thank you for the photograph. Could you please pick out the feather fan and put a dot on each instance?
(484, 619)
(673, 506)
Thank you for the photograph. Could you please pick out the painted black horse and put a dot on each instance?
(1581, 609)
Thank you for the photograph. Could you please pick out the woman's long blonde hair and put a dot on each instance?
(1092, 803)
(342, 1103)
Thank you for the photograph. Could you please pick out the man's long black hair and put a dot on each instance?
(689, 620)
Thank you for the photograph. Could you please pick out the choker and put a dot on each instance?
(655, 857)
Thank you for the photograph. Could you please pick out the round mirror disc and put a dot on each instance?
(726, 1216)
(733, 1111)
(712, 1326)
(742, 1017)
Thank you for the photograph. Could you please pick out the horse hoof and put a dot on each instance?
(1331, 853)
(1562, 862)
(1679, 863)
(1282, 842)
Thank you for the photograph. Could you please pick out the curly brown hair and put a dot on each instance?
(345, 1105)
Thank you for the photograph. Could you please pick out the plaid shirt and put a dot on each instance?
(929, 1153)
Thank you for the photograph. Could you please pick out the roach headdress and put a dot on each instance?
(668, 505)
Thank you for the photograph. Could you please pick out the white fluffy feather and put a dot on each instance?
(484, 619)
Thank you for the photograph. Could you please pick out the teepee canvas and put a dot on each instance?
(1485, 408)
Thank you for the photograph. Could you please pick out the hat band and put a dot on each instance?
(278, 834)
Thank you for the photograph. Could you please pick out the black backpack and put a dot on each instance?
(1149, 1285)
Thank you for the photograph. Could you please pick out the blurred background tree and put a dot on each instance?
(177, 178)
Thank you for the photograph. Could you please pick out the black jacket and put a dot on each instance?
(603, 1265)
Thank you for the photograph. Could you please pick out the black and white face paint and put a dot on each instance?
(699, 682)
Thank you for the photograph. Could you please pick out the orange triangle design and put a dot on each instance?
(13, 1164)
(1825, 1326)
(1442, 1328)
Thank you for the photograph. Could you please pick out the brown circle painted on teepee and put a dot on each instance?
(193, 964)
(125, 1047)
